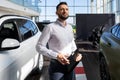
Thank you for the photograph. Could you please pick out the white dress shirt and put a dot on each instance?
(60, 39)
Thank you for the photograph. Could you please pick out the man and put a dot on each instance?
(60, 39)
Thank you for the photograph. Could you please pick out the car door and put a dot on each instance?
(29, 36)
(115, 43)
(9, 59)
(115, 52)
(110, 45)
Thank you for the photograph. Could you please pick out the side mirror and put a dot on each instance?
(9, 43)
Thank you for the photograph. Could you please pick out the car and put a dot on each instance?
(110, 48)
(41, 25)
(18, 54)
(94, 37)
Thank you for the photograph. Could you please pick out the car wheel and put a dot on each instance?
(104, 71)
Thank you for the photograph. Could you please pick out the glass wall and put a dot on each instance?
(32, 4)
(48, 9)
(109, 6)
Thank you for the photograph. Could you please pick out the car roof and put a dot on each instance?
(10, 15)
(6, 17)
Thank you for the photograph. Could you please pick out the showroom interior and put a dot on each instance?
(86, 15)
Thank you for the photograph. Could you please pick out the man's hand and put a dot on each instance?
(78, 57)
(62, 59)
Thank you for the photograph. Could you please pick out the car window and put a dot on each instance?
(27, 28)
(116, 31)
(9, 30)
(33, 27)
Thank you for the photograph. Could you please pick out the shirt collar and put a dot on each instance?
(60, 23)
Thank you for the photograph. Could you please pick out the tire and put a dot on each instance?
(104, 71)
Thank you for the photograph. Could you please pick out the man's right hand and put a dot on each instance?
(62, 59)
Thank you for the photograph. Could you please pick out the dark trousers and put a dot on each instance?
(57, 71)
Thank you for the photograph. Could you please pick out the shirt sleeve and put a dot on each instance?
(42, 43)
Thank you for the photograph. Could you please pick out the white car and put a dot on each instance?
(18, 55)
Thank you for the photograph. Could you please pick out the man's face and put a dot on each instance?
(63, 12)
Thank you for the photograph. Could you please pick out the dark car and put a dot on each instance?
(41, 25)
(110, 48)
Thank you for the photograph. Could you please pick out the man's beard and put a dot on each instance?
(62, 17)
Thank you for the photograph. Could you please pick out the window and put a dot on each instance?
(33, 27)
(116, 31)
(27, 28)
(9, 30)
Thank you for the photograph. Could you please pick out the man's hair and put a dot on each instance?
(61, 3)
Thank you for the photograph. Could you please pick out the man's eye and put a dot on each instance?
(62, 9)
(66, 9)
